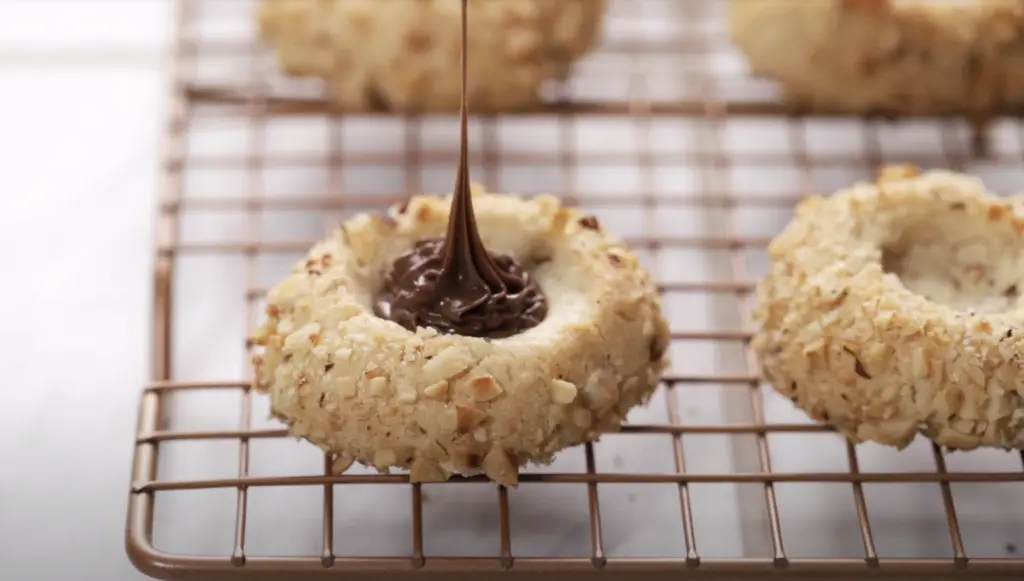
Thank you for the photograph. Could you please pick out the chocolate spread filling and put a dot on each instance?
(453, 284)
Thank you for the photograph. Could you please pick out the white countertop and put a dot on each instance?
(83, 116)
(83, 104)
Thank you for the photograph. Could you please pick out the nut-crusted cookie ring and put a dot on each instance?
(371, 391)
(403, 55)
(920, 57)
(893, 308)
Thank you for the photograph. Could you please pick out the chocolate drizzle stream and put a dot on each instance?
(454, 284)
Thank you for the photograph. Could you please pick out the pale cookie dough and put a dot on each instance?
(894, 307)
(403, 55)
(892, 57)
(368, 390)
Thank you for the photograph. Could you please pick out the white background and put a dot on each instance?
(82, 88)
(81, 106)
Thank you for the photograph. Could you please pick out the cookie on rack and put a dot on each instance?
(892, 57)
(895, 308)
(403, 55)
(354, 361)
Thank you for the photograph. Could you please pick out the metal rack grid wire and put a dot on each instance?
(730, 165)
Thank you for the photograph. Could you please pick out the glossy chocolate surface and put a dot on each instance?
(453, 284)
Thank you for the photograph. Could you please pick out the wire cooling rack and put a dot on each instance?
(663, 135)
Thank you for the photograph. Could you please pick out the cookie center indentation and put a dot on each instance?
(959, 266)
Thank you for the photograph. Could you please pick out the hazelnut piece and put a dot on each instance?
(384, 459)
(498, 466)
(484, 388)
(437, 391)
(424, 470)
(563, 392)
(341, 464)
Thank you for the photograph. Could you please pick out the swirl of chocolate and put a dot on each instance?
(421, 292)
(453, 284)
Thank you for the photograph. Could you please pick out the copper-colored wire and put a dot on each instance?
(801, 158)
(413, 128)
(956, 160)
(569, 162)
(327, 555)
(355, 202)
(140, 514)
(426, 155)
(860, 505)
(737, 261)
(256, 102)
(335, 194)
(764, 478)
(672, 429)
(644, 159)
(254, 210)
(679, 457)
(721, 242)
(625, 47)
(504, 529)
(492, 161)
(597, 553)
(232, 98)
